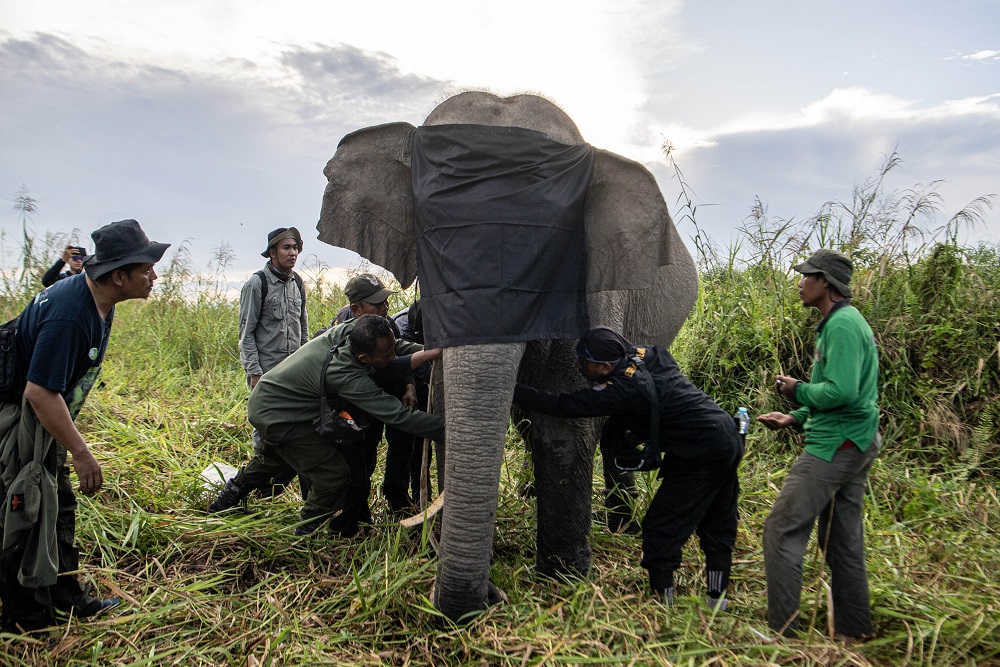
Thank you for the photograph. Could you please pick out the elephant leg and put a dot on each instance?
(478, 386)
(562, 451)
(563, 454)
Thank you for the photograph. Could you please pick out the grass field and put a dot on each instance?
(242, 590)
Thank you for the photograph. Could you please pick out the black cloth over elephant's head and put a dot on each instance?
(509, 217)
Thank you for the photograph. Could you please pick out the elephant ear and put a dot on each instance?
(368, 202)
(628, 227)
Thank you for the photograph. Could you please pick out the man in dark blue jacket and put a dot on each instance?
(649, 400)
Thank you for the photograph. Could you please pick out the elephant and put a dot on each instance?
(640, 280)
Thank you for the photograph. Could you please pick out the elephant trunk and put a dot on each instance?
(478, 386)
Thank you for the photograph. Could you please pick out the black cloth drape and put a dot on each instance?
(500, 238)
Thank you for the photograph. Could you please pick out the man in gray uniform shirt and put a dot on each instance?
(272, 330)
(273, 324)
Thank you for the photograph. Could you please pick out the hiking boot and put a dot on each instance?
(307, 528)
(665, 595)
(230, 496)
(98, 608)
(88, 607)
(720, 604)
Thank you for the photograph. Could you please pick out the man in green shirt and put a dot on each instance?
(285, 407)
(839, 416)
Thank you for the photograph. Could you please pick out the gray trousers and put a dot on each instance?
(834, 493)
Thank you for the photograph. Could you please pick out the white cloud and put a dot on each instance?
(982, 55)
(843, 105)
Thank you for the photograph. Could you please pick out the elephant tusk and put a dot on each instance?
(431, 510)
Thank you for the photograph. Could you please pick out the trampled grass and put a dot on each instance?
(242, 590)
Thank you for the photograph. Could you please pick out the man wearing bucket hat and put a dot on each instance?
(273, 324)
(61, 339)
(839, 415)
(272, 329)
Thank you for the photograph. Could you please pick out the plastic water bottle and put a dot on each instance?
(744, 417)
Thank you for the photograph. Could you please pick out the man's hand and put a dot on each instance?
(786, 386)
(50, 408)
(67, 253)
(254, 379)
(89, 471)
(776, 420)
(409, 398)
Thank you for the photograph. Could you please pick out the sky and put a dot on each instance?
(210, 121)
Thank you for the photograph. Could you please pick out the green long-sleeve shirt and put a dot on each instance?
(840, 401)
(287, 397)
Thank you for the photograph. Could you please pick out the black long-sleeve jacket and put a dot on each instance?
(693, 427)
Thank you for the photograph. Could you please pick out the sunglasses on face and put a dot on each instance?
(583, 352)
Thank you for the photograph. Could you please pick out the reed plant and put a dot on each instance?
(203, 589)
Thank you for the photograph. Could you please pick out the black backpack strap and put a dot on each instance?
(10, 389)
(263, 291)
(302, 290)
(334, 419)
(650, 457)
(653, 444)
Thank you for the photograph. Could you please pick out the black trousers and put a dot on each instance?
(691, 498)
(33, 608)
(619, 485)
(404, 452)
(361, 459)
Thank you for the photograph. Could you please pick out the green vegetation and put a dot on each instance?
(209, 590)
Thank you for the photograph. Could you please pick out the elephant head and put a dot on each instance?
(639, 279)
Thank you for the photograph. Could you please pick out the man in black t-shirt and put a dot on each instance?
(62, 336)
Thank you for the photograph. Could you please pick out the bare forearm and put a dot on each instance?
(418, 359)
(53, 415)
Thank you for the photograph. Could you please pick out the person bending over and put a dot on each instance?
(693, 442)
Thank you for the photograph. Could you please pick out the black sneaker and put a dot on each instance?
(98, 608)
(229, 497)
(92, 608)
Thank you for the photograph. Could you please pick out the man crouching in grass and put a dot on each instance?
(60, 343)
(313, 410)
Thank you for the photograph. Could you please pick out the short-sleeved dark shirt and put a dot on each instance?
(61, 340)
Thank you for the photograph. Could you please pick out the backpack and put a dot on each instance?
(8, 361)
(263, 290)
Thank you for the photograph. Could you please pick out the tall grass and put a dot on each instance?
(242, 590)
(932, 303)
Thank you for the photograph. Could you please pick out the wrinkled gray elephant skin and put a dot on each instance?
(640, 280)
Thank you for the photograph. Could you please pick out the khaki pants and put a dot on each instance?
(833, 492)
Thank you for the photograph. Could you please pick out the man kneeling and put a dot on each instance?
(311, 411)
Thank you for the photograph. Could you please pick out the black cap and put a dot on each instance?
(119, 243)
(603, 345)
(366, 287)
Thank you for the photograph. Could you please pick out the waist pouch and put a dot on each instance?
(343, 423)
